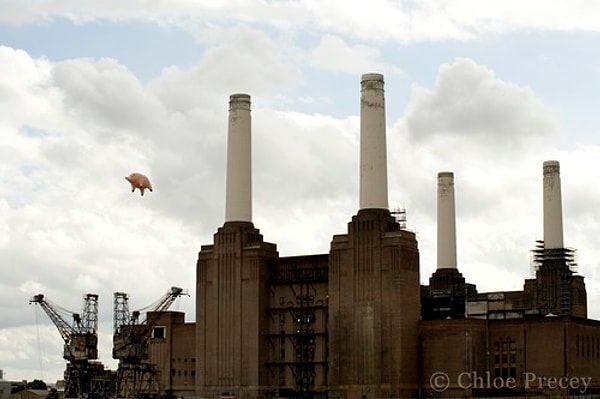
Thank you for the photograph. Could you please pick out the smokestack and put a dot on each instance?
(373, 157)
(238, 201)
(553, 227)
(446, 222)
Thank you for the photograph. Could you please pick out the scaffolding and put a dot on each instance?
(400, 215)
(559, 258)
(560, 263)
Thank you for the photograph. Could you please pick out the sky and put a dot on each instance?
(92, 91)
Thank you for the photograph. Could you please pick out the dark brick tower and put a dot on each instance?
(232, 282)
(373, 279)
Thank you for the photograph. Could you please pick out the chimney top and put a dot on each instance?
(239, 100)
(551, 167)
(371, 76)
(239, 95)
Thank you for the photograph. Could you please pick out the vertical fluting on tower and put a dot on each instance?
(446, 222)
(553, 225)
(373, 156)
(238, 200)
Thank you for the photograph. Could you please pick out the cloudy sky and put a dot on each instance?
(92, 91)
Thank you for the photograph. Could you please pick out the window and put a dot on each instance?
(505, 358)
(159, 332)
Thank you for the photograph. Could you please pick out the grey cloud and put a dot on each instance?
(104, 92)
(303, 156)
(242, 60)
(469, 102)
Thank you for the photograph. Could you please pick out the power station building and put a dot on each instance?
(356, 323)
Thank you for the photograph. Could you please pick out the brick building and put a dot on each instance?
(537, 341)
(172, 350)
(356, 322)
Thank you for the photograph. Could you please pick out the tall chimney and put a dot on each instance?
(553, 227)
(238, 201)
(373, 157)
(446, 222)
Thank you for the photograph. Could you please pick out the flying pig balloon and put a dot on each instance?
(138, 180)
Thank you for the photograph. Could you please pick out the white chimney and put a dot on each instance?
(553, 226)
(238, 201)
(446, 222)
(373, 157)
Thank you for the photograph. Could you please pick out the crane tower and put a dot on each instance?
(82, 378)
(135, 376)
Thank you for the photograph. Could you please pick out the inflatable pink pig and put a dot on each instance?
(138, 180)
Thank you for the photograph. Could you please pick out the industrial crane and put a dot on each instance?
(136, 377)
(81, 342)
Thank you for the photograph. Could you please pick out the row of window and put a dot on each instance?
(306, 317)
(505, 372)
(180, 373)
(185, 360)
(505, 351)
(587, 346)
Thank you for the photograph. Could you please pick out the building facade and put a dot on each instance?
(355, 322)
(172, 349)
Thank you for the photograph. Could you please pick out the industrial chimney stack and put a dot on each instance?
(446, 222)
(232, 285)
(373, 157)
(553, 226)
(238, 201)
(373, 280)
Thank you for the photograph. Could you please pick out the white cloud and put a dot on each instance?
(380, 20)
(105, 90)
(32, 350)
(333, 53)
(304, 172)
(513, 15)
(470, 103)
(238, 59)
